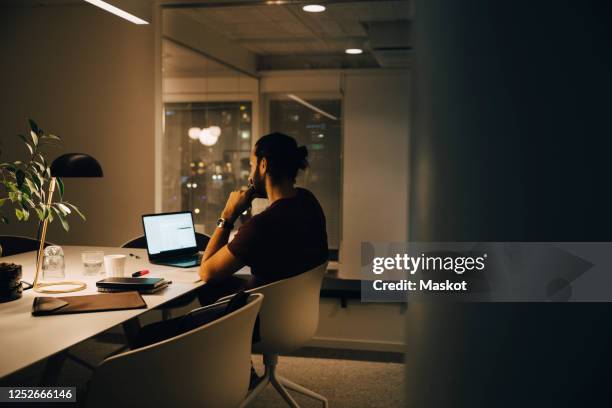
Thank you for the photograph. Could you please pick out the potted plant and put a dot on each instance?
(23, 190)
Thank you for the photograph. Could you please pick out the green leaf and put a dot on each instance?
(62, 218)
(34, 126)
(30, 148)
(30, 202)
(54, 137)
(2, 201)
(64, 223)
(4, 219)
(39, 166)
(45, 212)
(34, 138)
(41, 181)
(75, 209)
(63, 209)
(20, 177)
(33, 183)
(60, 187)
(19, 214)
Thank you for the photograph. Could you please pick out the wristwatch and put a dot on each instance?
(223, 223)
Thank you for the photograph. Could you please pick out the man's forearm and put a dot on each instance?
(217, 241)
(219, 237)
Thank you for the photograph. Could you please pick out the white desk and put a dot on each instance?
(25, 339)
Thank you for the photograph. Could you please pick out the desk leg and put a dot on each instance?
(131, 328)
(52, 369)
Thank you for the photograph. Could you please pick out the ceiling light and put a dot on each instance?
(353, 51)
(313, 8)
(117, 11)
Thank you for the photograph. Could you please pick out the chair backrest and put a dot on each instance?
(14, 244)
(208, 366)
(141, 242)
(289, 315)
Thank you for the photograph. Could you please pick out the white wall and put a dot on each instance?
(89, 77)
(376, 141)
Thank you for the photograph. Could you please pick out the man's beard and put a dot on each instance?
(259, 185)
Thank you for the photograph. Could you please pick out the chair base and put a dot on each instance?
(280, 384)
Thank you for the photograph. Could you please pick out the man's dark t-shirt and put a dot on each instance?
(286, 239)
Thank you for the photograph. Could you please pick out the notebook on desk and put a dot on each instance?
(142, 285)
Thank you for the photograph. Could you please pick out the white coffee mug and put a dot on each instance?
(114, 265)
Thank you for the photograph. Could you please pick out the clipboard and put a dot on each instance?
(46, 305)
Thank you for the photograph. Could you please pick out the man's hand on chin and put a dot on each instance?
(237, 203)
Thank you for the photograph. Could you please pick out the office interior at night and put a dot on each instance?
(424, 121)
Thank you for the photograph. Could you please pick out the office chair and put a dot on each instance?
(288, 319)
(207, 366)
(14, 244)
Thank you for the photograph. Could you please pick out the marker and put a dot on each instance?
(140, 273)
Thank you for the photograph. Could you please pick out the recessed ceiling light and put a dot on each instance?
(353, 51)
(313, 8)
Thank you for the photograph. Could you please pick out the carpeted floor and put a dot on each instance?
(345, 383)
(347, 378)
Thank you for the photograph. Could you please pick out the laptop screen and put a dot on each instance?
(169, 232)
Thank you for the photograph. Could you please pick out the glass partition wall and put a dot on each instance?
(207, 145)
(207, 134)
(211, 123)
(315, 121)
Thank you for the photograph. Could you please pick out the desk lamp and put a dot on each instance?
(67, 165)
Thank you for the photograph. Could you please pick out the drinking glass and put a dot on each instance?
(53, 267)
(92, 262)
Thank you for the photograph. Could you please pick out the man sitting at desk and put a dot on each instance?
(286, 239)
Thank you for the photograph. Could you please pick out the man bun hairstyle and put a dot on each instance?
(283, 155)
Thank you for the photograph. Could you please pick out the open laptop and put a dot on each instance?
(171, 239)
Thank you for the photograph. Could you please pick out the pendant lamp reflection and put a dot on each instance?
(194, 133)
(207, 138)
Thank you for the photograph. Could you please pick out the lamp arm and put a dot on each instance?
(39, 259)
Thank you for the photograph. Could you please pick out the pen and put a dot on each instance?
(140, 273)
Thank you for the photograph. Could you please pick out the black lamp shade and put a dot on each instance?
(76, 165)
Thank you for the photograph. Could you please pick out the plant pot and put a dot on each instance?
(10, 282)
